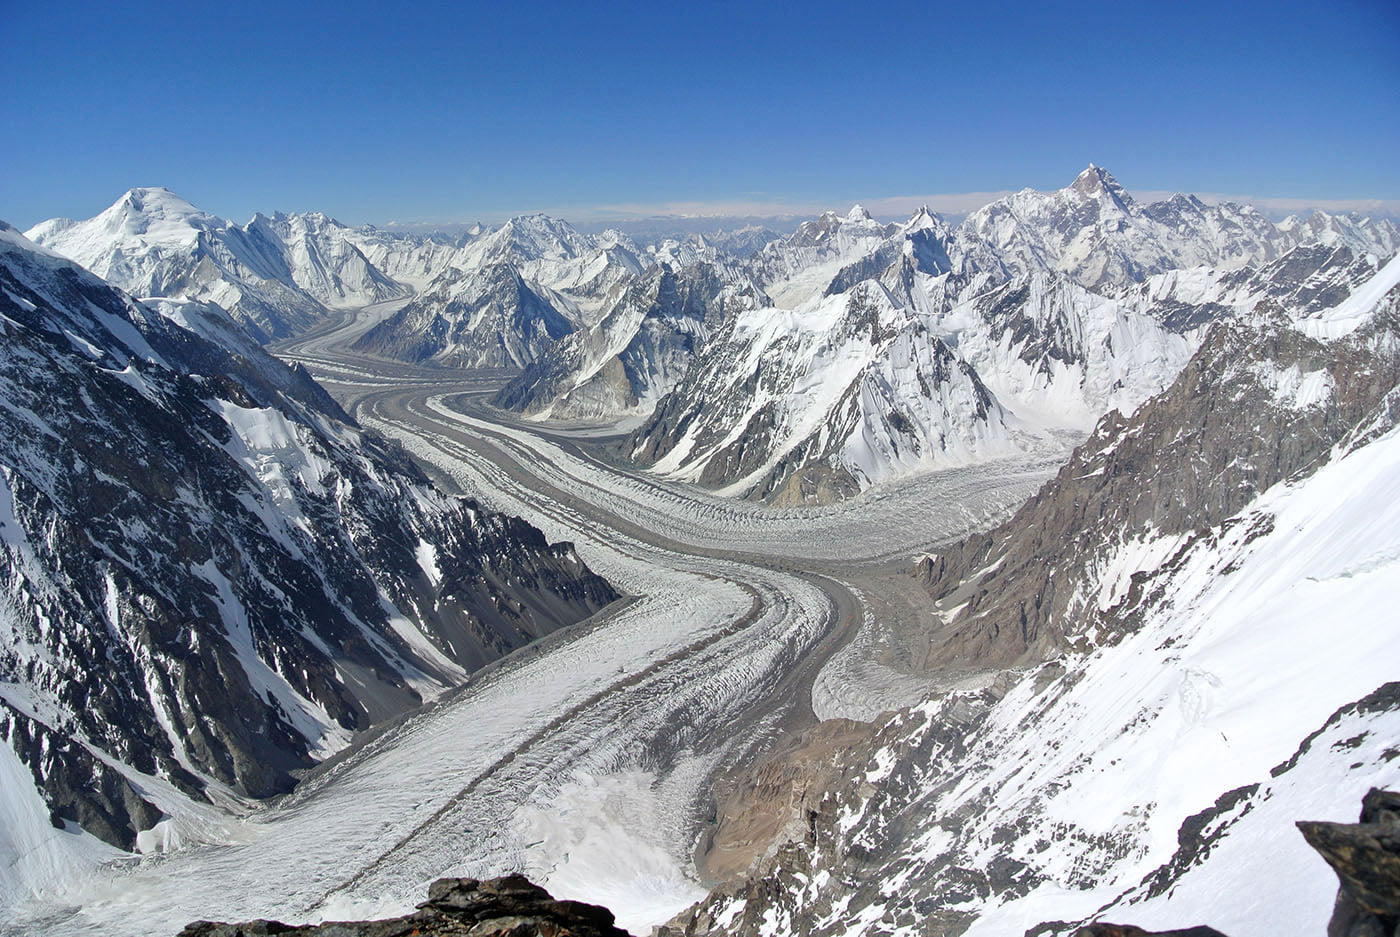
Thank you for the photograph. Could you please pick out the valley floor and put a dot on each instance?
(588, 760)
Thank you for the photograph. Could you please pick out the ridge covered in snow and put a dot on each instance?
(212, 578)
(1063, 305)
(275, 275)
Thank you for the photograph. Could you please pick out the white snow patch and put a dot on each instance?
(427, 556)
(598, 861)
(38, 860)
(1294, 388)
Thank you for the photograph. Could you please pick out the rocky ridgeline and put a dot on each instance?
(502, 907)
(1179, 466)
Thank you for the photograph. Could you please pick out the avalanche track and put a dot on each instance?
(587, 760)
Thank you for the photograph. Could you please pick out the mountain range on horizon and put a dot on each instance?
(877, 577)
(537, 294)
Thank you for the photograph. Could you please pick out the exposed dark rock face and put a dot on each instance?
(207, 574)
(456, 907)
(83, 790)
(639, 349)
(487, 318)
(1366, 858)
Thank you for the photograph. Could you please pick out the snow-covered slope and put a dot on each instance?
(1361, 234)
(1193, 617)
(505, 296)
(411, 259)
(552, 254)
(1065, 305)
(274, 275)
(1097, 235)
(1059, 356)
(1307, 279)
(325, 262)
(796, 268)
(211, 579)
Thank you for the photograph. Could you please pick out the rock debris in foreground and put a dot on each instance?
(509, 907)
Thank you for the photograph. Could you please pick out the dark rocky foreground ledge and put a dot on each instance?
(456, 907)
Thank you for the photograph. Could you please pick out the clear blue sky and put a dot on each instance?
(376, 111)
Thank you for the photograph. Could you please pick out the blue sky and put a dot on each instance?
(443, 112)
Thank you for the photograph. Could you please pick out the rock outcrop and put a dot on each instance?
(510, 907)
(1366, 858)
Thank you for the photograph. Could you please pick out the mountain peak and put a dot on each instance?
(1096, 182)
(858, 213)
(923, 218)
(153, 200)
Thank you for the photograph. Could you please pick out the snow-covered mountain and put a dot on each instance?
(275, 275)
(817, 402)
(506, 296)
(655, 331)
(1095, 233)
(489, 317)
(552, 254)
(901, 374)
(325, 262)
(637, 352)
(798, 267)
(1363, 235)
(410, 259)
(212, 579)
(1180, 652)
(1063, 305)
(1306, 279)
